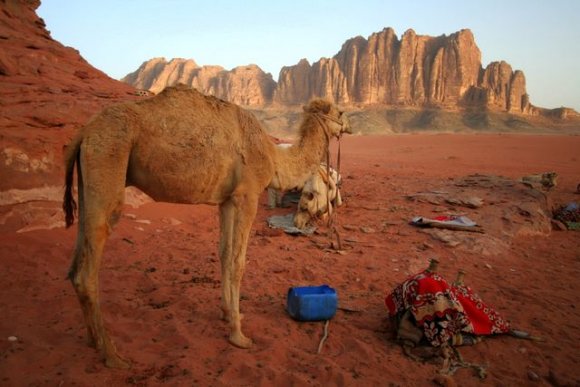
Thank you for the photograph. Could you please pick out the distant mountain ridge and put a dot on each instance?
(414, 71)
(244, 85)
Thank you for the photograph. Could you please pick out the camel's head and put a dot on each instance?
(312, 207)
(333, 117)
(320, 195)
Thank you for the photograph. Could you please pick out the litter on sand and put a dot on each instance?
(569, 214)
(449, 222)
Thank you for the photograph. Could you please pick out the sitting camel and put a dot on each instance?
(182, 147)
(317, 198)
(320, 195)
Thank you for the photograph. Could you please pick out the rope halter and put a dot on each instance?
(321, 118)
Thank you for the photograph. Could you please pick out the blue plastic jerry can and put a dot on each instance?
(312, 303)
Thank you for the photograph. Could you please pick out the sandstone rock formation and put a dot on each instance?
(501, 88)
(47, 91)
(244, 85)
(154, 74)
(415, 71)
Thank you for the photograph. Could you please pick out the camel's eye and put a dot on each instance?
(340, 113)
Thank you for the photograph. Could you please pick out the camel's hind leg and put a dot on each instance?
(236, 220)
(101, 196)
(225, 252)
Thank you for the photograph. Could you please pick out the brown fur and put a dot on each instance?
(181, 147)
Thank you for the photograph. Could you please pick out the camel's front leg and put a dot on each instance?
(245, 207)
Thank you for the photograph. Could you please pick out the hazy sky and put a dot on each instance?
(540, 37)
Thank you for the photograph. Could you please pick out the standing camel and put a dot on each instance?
(182, 147)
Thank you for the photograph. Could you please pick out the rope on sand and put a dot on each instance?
(453, 361)
(323, 337)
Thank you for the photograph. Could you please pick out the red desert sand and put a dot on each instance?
(160, 282)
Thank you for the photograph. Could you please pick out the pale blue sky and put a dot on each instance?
(540, 37)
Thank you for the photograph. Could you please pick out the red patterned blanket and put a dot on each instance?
(443, 311)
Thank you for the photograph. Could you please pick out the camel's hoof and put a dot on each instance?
(117, 362)
(240, 341)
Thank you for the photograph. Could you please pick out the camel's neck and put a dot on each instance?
(296, 164)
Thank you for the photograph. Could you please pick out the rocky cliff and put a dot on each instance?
(244, 85)
(414, 71)
(47, 91)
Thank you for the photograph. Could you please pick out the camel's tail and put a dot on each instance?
(71, 158)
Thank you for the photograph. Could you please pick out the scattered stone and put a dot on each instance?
(367, 230)
(443, 236)
(392, 223)
(557, 225)
(349, 227)
(488, 265)
(426, 246)
(12, 338)
(171, 221)
(554, 379)
(470, 202)
(444, 380)
(533, 376)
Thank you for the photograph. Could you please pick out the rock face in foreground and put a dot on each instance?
(414, 71)
(47, 91)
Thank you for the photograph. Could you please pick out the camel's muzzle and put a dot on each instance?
(345, 124)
